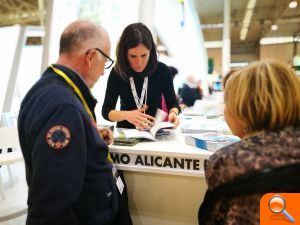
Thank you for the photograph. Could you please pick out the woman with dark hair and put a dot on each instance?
(140, 81)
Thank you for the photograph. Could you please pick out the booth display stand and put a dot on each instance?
(165, 180)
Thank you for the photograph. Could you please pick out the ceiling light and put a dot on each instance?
(247, 19)
(276, 40)
(251, 4)
(293, 4)
(212, 26)
(34, 31)
(238, 64)
(213, 44)
(243, 36)
(274, 27)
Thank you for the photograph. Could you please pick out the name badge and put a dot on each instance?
(119, 182)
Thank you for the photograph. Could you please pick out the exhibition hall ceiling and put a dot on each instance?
(265, 13)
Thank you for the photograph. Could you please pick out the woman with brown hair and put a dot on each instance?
(140, 81)
(262, 107)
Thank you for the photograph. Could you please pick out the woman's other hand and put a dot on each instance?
(173, 118)
(140, 119)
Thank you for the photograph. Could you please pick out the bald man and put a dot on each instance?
(68, 168)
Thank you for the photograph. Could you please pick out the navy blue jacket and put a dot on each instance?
(74, 184)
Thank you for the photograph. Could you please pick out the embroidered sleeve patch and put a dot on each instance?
(58, 137)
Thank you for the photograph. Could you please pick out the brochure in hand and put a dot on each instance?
(157, 129)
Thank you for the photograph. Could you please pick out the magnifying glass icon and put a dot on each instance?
(277, 205)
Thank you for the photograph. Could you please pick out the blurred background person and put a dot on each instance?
(190, 91)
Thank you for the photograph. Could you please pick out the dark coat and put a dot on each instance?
(190, 95)
(239, 174)
(72, 185)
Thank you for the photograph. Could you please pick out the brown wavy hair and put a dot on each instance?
(133, 35)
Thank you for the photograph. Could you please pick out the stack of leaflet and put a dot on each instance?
(210, 141)
(195, 126)
(209, 108)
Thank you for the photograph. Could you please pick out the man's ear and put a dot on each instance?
(90, 57)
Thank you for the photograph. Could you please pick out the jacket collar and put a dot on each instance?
(80, 83)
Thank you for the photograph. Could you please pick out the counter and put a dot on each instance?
(165, 180)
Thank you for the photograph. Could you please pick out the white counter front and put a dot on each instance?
(165, 180)
(169, 155)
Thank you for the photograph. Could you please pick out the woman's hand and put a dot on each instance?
(173, 118)
(139, 119)
(106, 134)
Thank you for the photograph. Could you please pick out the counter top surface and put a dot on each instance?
(168, 155)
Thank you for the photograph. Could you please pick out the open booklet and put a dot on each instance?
(157, 129)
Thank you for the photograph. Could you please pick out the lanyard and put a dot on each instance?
(139, 101)
(78, 92)
(75, 88)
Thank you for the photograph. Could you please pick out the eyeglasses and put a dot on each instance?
(109, 61)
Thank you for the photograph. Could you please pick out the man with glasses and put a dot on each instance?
(108, 62)
(68, 167)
